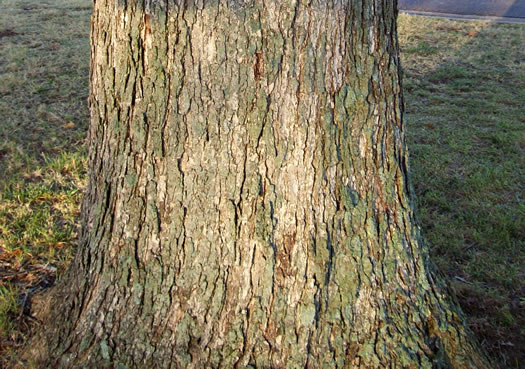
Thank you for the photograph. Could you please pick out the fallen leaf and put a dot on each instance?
(473, 34)
(59, 245)
(69, 125)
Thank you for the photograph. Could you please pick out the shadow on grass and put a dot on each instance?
(464, 94)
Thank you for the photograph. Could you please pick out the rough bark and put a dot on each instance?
(248, 202)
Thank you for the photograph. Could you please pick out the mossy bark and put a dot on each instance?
(248, 202)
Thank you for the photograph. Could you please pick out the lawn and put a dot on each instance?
(464, 85)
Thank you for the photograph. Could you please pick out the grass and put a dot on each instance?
(465, 128)
(464, 92)
(44, 75)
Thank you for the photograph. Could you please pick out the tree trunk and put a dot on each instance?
(248, 202)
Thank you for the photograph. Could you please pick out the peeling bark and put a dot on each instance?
(248, 202)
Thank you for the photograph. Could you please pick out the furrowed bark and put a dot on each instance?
(248, 202)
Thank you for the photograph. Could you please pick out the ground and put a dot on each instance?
(464, 94)
(499, 8)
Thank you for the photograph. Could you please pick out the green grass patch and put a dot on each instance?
(9, 310)
(465, 132)
(44, 71)
(39, 211)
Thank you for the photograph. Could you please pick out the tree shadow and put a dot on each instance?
(517, 9)
(464, 96)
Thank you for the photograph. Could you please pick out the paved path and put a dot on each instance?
(494, 8)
